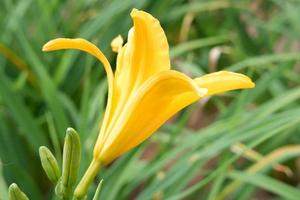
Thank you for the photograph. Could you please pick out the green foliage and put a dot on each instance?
(43, 94)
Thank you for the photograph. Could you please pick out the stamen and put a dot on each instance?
(117, 43)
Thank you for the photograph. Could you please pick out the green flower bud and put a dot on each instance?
(49, 164)
(59, 189)
(14, 193)
(71, 163)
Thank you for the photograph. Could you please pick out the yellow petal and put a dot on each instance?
(155, 102)
(224, 81)
(151, 49)
(116, 43)
(84, 45)
(145, 54)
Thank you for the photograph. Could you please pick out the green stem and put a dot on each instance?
(86, 180)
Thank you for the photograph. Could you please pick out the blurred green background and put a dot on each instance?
(225, 147)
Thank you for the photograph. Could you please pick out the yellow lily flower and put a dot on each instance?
(143, 92)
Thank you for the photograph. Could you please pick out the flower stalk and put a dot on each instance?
(87, 179)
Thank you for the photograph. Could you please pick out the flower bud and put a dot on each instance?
(49, 164)
(71, 163)
(14, 193)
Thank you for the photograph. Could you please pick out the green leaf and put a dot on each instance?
(97, 193)
(267, 183)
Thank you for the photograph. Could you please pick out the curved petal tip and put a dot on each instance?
(222, 81)
(46, 46)
(53, 44)
(135, 13)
